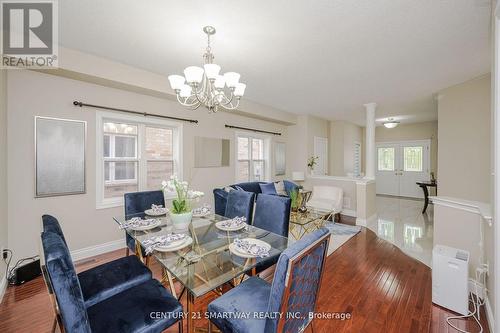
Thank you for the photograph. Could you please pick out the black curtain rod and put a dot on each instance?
(81, 104)
(252, 129)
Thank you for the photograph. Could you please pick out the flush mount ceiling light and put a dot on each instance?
(391, 123)
(205, 86)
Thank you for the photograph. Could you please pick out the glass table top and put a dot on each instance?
(207, 263)
(311, 215)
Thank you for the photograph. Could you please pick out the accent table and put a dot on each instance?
(206, 264)
(302, 223)
(424, 186)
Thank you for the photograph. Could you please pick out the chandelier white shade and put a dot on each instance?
(207, 86)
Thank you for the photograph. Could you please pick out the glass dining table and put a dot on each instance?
(206, 264)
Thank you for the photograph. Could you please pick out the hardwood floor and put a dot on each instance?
(381, 288)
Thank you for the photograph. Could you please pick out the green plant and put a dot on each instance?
(295, 198)
(312, 161)
(182, 203)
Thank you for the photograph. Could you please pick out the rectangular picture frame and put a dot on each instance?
(60, 153)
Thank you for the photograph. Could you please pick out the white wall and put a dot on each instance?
(3, 169)
(343, 135)
(464, 137)
(31, 93)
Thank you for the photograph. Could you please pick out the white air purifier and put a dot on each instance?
(450, 276)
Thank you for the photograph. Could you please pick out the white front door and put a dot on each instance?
(387, 169)
(400, 165)
(321, 151)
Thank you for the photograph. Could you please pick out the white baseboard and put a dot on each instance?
(489, 315)
(95, 250)
(487, 306)
(365, 222)
(348, 212)
(3, 287)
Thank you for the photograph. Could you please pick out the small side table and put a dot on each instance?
(424, 186)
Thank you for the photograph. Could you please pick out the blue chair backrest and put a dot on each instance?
(296, 282)
(272, 213)
(138, 202)
(51, 224)
(240, 203)
(65, 284)
(220, 201)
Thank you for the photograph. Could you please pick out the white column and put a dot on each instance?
(370, 140)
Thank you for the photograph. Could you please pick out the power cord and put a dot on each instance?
(476, 302)
(9, 273)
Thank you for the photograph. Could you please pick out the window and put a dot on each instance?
(386, 159)
(252, 159)
(413, 160)
(135, 156)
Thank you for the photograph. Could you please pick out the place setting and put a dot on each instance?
(202, 211)
(250, 248)
(156, 210)
(139, 224)
(167, 243)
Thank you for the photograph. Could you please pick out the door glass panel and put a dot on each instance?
(386, 159)
(413, 158)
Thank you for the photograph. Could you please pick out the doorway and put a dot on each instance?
(400, 165)
(321, 151)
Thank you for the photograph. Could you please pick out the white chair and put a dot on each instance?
(327, 198)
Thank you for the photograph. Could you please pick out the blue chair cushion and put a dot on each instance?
(109, 279)
(250, 296)
(131, 310)
(268, 188)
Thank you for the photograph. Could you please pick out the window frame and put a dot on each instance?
(266, 160)
(142, 122)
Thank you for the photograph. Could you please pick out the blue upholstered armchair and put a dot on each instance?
(136, 203)
(127, 311)
(106, 280)
(294, 289)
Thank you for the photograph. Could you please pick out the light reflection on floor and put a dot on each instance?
(401, 222)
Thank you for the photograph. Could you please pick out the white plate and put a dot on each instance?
(177, 245)
(152, 212)
(236, 251)
(146, 227)
(219, 226)
(202, 214)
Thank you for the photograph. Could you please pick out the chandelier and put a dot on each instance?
(205, 86)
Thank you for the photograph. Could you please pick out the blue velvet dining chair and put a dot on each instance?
(108, 279)
(293, 292)
(272, 213)
(240, 203)
(127, 311)
(136, 203)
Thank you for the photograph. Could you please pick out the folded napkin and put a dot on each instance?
(234, 222)
(154, 242)
(254, 249)
(157, 208)
(136, 222)
(205, 210)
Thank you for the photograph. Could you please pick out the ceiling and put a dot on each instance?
(324, 57)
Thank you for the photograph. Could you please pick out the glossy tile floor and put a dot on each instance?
(401, 222)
